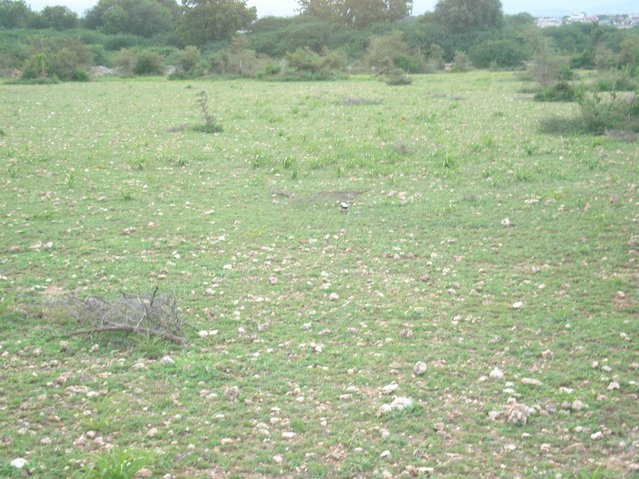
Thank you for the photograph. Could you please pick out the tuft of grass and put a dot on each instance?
(118, 463)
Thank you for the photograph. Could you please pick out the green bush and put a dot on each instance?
(498, 53)
(149, 63)
(558, 92)
(390, 51)
(601, 112)
(139, 62)
(461, 62)
(622, 79)
(397, 76)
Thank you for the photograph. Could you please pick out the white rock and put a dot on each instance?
(166, 360)
(496, 373)
(518, 305)
(419, 368)
(18, 463)
(389, 388)
(596, 436)
(386, 455)
(505, 222)
(532, 382)
(203, 334)
(425, 470)
(398, 404)
(288, 435)
(613, 385)
(577, 405)
(278, 459)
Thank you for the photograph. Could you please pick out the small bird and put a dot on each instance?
(344, 206)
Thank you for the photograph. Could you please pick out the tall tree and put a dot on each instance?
(56, 17)
(464, 15)
(203, 21)
(137, 17)
(15, 14)
(357, 13)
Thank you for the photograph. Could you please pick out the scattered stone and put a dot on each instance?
(620, 295)
(15, 249)
(390, 388)
(231, 393)
(426, 470)
(577, 405)
(398, 404)
(548, 354)
(596, 436)
(138, 366)
(518, 305)
(496, 373)
(278, 459)
(439, 426)
(272, 280)
(18, 463)
(531, 382)
(167, 360)
(288, 435)
(513, 413)
(419, 368)
(142, 473)
(386, 455)
(152, 432)
(506, 222)
(612, 386)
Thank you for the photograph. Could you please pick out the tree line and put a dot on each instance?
(326, 37)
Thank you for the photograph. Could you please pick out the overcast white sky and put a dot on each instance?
(284, 8)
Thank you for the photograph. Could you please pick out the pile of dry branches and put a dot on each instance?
(155, 315)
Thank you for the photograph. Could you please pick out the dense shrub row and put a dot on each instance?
(143, 38)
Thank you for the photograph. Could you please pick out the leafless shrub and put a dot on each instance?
(154, 315)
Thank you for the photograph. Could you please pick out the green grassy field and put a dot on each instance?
(472, 243)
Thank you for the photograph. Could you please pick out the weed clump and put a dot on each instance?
(210, 123)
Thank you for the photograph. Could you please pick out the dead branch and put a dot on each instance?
(156, 315)
(129, 329)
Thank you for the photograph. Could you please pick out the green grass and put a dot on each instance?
(106, 187)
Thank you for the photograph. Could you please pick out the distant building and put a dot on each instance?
(581, 18)
(547, 22)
